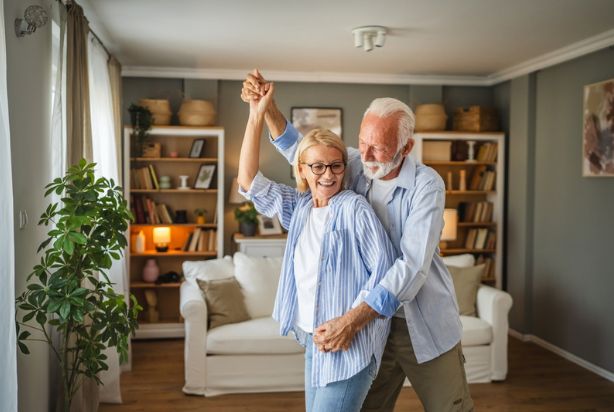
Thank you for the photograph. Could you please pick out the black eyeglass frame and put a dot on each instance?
(326, 166)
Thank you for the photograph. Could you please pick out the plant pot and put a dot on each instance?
(248, 228)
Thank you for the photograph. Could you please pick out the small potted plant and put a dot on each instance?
(247, 216)
(142, 120)
(200, 216)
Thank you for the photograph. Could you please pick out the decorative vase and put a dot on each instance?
(200, 219)
(151, 271)
(139, 244)
(247, 228)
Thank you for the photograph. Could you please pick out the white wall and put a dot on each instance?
(28, 78)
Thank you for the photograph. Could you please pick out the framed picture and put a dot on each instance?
(268, 225)
(197, 147)
(307, 118)
(598, 130)
(204, 177)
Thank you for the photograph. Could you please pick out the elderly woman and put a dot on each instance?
(337, 251)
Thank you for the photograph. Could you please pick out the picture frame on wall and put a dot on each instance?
(204, 177)
(304, 119)
(197, 148)
(268, 225)
(598, 130)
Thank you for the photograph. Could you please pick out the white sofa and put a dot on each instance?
(250, 356)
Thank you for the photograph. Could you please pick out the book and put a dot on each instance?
(154, 177)
(476, 178)
(194, 241)
(202, 241)
(188, 240)
(470, 239)
(480, 239)
(212, 241)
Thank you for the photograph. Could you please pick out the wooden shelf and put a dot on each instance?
(470, 192)
(188, 225)
(182, 191)
(175, 253)
(458, 163)
(458, 251)
(147, 285)
(212, 160)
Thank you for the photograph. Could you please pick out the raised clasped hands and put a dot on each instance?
(257, 92)
(334, 335)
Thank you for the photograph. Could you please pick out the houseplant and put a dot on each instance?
(141, 119)
(247, 216)
(200, 215)
(69, 293)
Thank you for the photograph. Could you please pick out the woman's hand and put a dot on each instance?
(260, 106)
(334, 335)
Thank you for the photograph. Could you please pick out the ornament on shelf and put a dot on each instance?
(151, 271)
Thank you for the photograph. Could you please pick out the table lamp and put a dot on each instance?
(450, 221)
(161, 238)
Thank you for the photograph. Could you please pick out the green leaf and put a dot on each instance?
(65, 310)
(77, 238)
(24, 335)
(28, 316)
(23, 348)
(68, 246)
(41, 319)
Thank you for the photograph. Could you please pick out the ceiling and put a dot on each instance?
(437, 41)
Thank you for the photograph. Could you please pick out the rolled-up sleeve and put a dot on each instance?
(287, 142)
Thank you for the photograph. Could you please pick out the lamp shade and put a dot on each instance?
(161, 235)
(234, 198)
(450, 221)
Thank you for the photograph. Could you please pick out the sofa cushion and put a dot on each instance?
(466, 283)
(224, 301)
(258, 277)
(255, 336)
(461, 261)
(208, 269)
(476, 331)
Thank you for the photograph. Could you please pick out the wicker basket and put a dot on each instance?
(196, 113)
(475, 119)
(430, 117)
(160, 110)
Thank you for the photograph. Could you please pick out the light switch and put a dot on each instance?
(23, 219)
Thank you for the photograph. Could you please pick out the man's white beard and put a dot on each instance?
(383, 168)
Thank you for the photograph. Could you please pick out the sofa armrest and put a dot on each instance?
(493, 306)
(194, 311)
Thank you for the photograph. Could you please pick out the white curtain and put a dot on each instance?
(8, 354)
(105, 156)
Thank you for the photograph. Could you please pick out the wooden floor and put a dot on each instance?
(538, 381)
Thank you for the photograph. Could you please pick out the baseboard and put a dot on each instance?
(563, 353)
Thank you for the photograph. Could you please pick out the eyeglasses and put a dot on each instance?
(320, 168)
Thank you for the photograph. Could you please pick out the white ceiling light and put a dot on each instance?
(367, 36)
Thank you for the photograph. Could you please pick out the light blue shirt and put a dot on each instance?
(355, 254)
(418, 278)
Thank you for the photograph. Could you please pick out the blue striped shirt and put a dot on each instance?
(418, 279)
(355, 254)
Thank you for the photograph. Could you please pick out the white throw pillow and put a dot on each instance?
(460, 261)
(258, 277)
(214, 269)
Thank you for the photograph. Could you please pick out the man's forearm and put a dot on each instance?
(361, 315)
(275, 121)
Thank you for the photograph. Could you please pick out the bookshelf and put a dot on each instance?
(475, 188)
(156, 207)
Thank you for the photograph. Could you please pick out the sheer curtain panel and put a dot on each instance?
(8, 354)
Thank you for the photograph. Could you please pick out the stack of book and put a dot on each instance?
(146, 211)
(144, 178)
(481, 239)
(477, 212)
(487, 152)
(489, 269)
(482, 178)
(201, 240)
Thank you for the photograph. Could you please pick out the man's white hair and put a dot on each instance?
(387, 106)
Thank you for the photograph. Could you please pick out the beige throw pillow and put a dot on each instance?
(466, 283)
(224, 301)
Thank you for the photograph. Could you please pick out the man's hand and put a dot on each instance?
(337, 334)
(254, 87)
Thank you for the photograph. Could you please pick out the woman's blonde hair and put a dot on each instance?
(316, 137)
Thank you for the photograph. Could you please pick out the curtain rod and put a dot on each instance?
(66, 3)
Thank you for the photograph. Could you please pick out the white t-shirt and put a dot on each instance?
(307, 265)
(379, 196)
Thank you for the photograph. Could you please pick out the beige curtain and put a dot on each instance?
(78, 124)
(115, 76)
(79, 138)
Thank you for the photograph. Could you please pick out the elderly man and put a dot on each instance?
(417, 291)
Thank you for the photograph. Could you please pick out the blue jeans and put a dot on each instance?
(341, 396)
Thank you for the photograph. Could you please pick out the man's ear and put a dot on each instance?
(408, 147)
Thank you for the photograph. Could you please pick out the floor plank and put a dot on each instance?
(538, 381)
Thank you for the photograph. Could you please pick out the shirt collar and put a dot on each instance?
(407, 176)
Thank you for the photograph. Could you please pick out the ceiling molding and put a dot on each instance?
(603, 40)
(308, 77)
(574, 50)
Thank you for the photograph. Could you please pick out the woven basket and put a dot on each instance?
(160, 109)
(196, 113)
(430, 117)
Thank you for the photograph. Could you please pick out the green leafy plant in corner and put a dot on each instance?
(142, 120)
(246, 213)
(69, 291)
